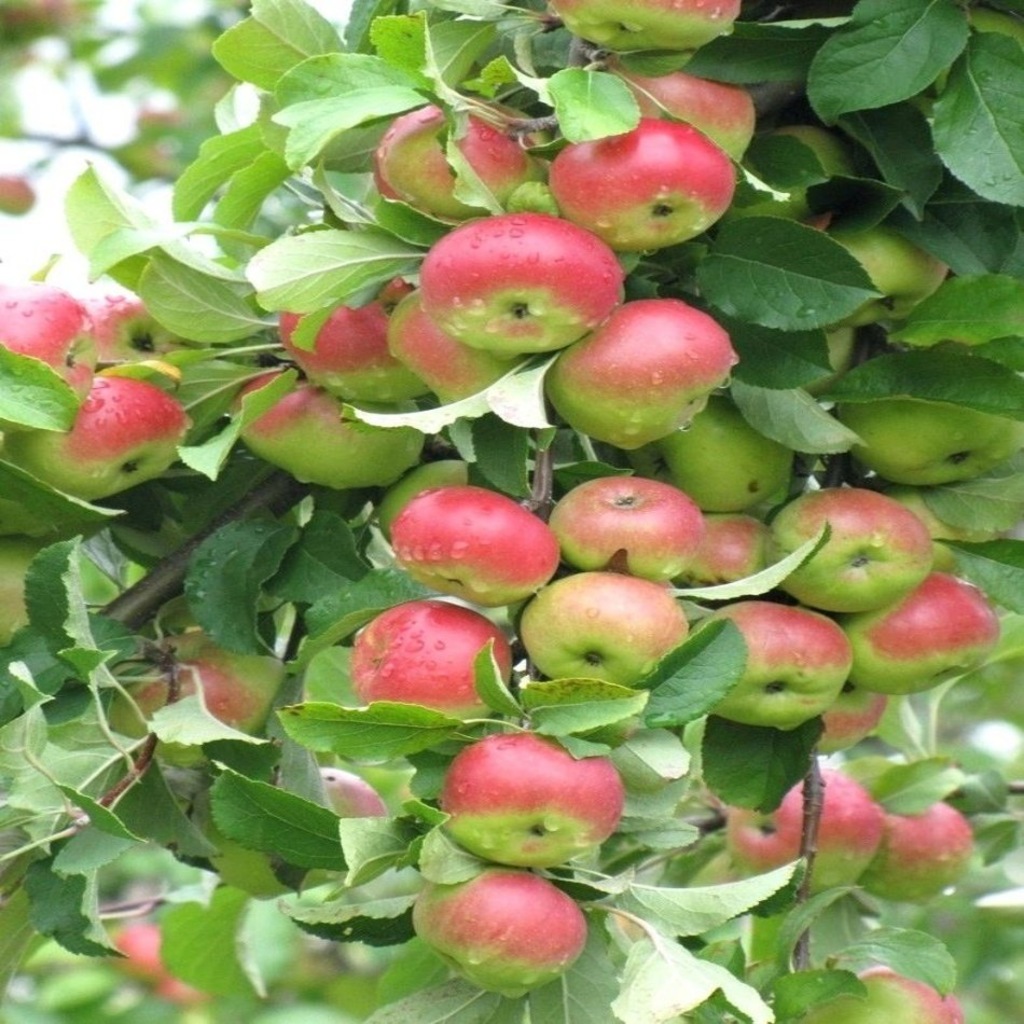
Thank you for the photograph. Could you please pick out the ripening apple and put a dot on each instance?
(630, 524)
(648, 24)
(422, 652)
(17, 196)
(350, 795)
(504, 930)
(943, 627)
(123, 329)
(908, 441)
(475, 544)
(734, 547)
(876, 551)
(16, 554)
(720, 460)
(140, 943)
(657, 185)
(849, 832)
(921, 855)
(601, 625)
(523, 800)
(797, 662)
(410, 162)
(644, 373)
(891, 999)
(21, 21)
(126, 431)
(307, 434)
(851, 717)
(423, 477)
(522, 282)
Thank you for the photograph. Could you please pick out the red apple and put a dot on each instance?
(422, 652)
(350, 795)
(734, 546)
(524, 800)
(506, 931)
(851, 717)
(475, 544)
(797, 662)
(123, 329)
(427, 475)
(524, 282)
(943, 627)
(660, 184)
(17, 196)
(891, 999)
(601, 625)
(140, 943)
(643, 374)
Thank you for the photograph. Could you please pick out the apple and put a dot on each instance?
(47, 323)
(648, 24)
(522, 282)
(720, 460)
(140, 944)
(657, 185)
(891, 999)
(21, 21)
(350, 795)
(849, 833)
(422, 652)
(475, 544)
(841, 344)
(410, 162)
(630, 524)
(504, 930)
(943, 627)
(16, 554)
(877, 550)
(17, 196)
(308, 434)
(921, 855)
(921, 443)
(425, 476)
(123, 329)
(524, 800)
(644, 373)
(733, 547)
(797, 662)
(126, 431)
(601, 625)
(446, 366)
(984, 20)
(851, 717)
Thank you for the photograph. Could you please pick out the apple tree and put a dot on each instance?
(540, 518)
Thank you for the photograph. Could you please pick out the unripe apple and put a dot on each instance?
(410, 163)
(422, 652)
(504, 930)
(644, 373)
(921, 855)
(307, 434)
(943, 627)
(851, 717)
(720, 460)
(522, 282)
(350, 795)
(657, 185)
(17, 196)
(849, 833)
(601, 625)
(797, 662)
(629, 524)
(427, 475)
(891, 999)
(475, 544)
(876, 550)
(123, 329)
(524, 800)
(126, 431)
(16, 554)
(926, 444)
(734, 546)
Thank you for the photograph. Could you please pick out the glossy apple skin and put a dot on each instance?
(422, 652)
(305, 433)
(720, 461)
(517, 283)
(929, 443)
(475, 544)
(424, 477)
(797, 662)
(524, 800)
(643, 374)
(410, 163)
(601, 625)
(876, 550)
(123, 330)
(734, 546)
(126, 431)
(648, 24)
(658, 185)
(449, 368)
(505, 930)
(350, 795)
(643, 527)
(891, 999)
(941, 628)
(921, 855)
(849, 833)
(851, 717)
(16, 554)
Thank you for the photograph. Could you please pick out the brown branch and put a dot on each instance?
(543, 483)
(814, 799)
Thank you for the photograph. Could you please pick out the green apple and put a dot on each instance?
(891, 999)
(16, 554)
(735, 546)
(423, 477)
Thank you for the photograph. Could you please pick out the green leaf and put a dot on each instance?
(584, 994)
(373, 846)
(650, 758)
(33, 394)
(453, 1002)
(490, 686)
(35, 509)
(592, 104)
(400, 40)
(323, 561)
(777, 359)
(562, 707)
(997, 566)
(977, 127)
(970, 310)
(89, 850)
(992, 502)
(443, 861)
(220, 157)
(781, 274)
(890, 50)
(502, 455)
(17, 934)
(381, 922)
(914, 787)
(907, 952)
(453, 48)
(188, 721)
(797, 993)
(64, 908)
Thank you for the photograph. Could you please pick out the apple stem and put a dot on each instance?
(814, 801)
(543, 483)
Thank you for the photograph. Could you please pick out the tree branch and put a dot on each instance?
(814, 800)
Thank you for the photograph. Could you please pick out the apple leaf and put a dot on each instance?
(64, 908)
(188, 722)
(17, 934)
(220, 158)
(490, 686)
(583, 995)
(90, 849)
(757, 52)
(914, 787)
(905, 951)
(970, 310)
(997, 566)
(374, 845)
(592, 104)
(324, 560)
(452, 1002)
(501, 455)
(797, 993)
(380, 922)
(562, 707)
(33, 508)
(819, 907)
(777, 359)
(890, 50)
(443, 861)
(651, 757)
(33, 394)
